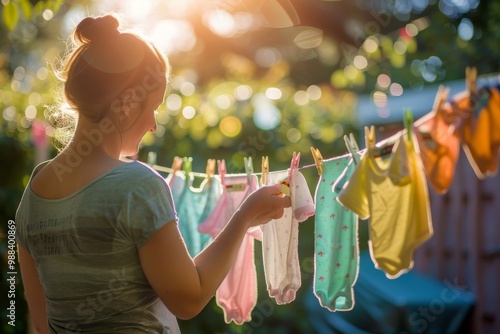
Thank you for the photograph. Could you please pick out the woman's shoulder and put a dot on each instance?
(140, 173)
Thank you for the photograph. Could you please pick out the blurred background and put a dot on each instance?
(269, 77)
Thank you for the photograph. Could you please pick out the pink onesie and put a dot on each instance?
(280, 239)
(237, 295)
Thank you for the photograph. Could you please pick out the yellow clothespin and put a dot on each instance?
(352, 147)
(318, 159)
(370, 137)
(210, 170)
(265, 170)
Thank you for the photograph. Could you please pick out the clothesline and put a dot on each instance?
(474, 84)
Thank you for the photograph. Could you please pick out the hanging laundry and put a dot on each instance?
(336, 250)
(237, 295)
(494, 110)
(474, 131)
(280, 238)
(439, 148)
(393, 193)
(193, 207)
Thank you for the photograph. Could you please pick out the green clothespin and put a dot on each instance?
(408, 122)
(248, 167)
(187, 165)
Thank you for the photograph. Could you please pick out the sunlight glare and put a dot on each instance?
(220, 22)
(172, 36)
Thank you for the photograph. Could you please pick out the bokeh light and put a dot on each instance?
(230, 126)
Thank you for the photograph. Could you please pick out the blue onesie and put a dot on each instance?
(193, 206)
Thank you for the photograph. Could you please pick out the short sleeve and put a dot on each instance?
(354, 194)
(147, 208)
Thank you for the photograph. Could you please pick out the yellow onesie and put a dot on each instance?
(393, 193)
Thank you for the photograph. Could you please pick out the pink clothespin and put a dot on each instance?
(221, 165)
(294, 164)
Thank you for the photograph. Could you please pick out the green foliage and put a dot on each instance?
(10, 15)
(11, 10)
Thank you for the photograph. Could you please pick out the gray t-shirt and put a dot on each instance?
(86, 251)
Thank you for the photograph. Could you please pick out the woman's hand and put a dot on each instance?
(263, 205)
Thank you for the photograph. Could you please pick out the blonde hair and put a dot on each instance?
(101, 64)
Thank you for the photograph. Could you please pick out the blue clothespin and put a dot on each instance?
(352, 147)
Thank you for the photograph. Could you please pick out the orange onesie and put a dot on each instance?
(439, 148)
(478, 135)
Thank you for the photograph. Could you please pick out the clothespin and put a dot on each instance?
(408, 122)
(187, 166)
(470, 80)
(352, 147)
(318, 159)
(176, 165)
(294, 164)
(370, 137)
(441, 97)
(265, 170)
(221, 165)
(248, 167)
(210, 170)
(152, 158)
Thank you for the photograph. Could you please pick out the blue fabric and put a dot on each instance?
(193, 206)
(411, 303)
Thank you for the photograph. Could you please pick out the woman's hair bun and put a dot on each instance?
(96, 29)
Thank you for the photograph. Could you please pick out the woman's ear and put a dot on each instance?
(128, 102)
(125, 104)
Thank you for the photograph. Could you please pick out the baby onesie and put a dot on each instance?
(280, 238)
(193, 207)
(336, 239)
(475, 136)
(494, 110)
(237, 295)
(439, 149)
(393, 193)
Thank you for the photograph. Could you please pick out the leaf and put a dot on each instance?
(10, 15)
(26, 8)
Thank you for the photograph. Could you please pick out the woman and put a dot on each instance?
(99, 246)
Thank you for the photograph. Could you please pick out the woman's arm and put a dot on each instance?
(33, 291)
(186, 285)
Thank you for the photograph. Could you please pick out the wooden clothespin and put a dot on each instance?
(408, 122)
(294, 164)
(470, 80)
(151, 158)
(176, 164)
(370, 137)
(441, 97)
(265, 170)
(248, 167)
(352, 147)
(210, 170)
(318, 159)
